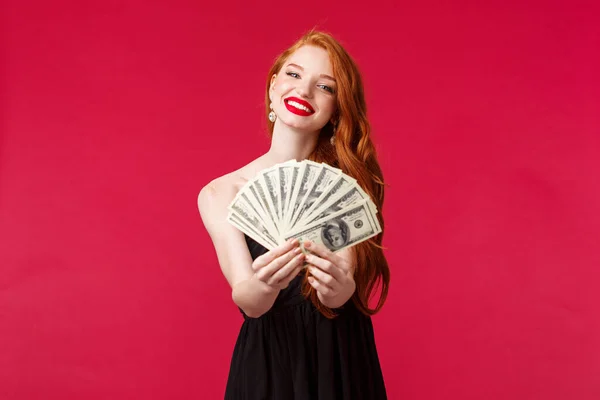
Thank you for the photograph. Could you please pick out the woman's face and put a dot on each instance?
(303, 92)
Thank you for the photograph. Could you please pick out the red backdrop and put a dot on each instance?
(114, 114)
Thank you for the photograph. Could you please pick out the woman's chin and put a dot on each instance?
(302, 126)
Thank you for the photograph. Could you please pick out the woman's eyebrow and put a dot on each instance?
(302, 69)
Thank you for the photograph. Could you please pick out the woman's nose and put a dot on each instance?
(304, 89)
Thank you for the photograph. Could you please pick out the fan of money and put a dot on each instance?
(304, 200)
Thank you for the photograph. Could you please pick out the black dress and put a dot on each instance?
(292, 352)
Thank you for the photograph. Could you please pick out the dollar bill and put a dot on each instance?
(251, 192)
(341, 184)
(247, 213)
(295, 187)
(287, 173)
(239, 223)
(259, 187)
(271, 184)
(352, 197)
(306, 177)
(324, 179)
(340, 230)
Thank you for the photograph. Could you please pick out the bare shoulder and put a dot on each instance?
(214, 198)
(216, 191)
(229, 243)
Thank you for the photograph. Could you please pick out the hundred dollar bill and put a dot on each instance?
(266, 205)
(248, 214)
(324, 180)
(239, 223)
(306, 177)
(295, 188)
(271, 184)
(252, 193)
(249, 193)
(293, 180)
(352, 197)
(341, 184)
(340, 230)
(287, 173)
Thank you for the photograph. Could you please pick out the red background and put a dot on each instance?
(114, 114)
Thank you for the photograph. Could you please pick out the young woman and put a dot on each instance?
(307, 334)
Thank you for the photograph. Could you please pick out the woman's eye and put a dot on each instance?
(325, 87)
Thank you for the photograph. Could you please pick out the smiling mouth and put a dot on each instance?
(298, 108)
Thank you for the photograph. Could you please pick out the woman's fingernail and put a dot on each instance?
(307, 243)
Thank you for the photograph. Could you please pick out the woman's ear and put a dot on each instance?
(271, 88)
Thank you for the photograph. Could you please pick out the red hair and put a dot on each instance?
(353, 153)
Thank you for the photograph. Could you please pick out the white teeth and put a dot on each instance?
(298, 105)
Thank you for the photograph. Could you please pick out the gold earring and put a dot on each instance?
(272, 116)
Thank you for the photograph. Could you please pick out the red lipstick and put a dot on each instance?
(298, 111)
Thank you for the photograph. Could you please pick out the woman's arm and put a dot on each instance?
(253, 297)
(255, 284)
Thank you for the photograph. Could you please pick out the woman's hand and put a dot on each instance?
(332, 274)
(277, 267)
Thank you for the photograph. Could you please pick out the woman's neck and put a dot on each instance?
(288, 143)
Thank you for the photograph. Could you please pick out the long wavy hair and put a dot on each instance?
(354, 153)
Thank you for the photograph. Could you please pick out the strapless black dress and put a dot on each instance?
(293, 352)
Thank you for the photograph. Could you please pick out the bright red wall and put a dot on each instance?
(114, 114)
